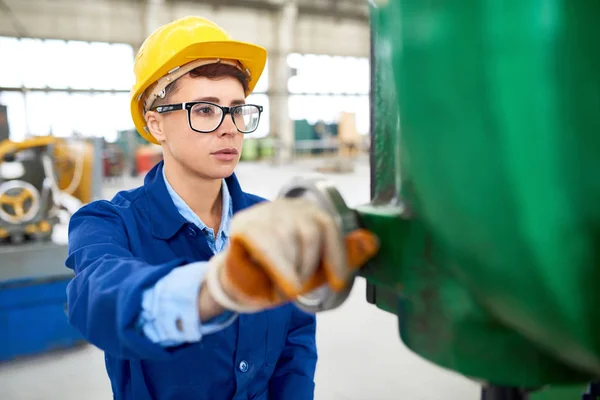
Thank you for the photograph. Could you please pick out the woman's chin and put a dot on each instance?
(221, 171)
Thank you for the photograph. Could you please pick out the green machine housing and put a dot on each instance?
(485, 166)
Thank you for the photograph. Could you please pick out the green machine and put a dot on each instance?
(486, 190)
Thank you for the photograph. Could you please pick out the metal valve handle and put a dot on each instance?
(19, 201)
(322, 192)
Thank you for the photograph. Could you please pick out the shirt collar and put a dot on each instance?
(164, 217)
(191, 216)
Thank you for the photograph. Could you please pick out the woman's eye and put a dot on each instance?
(205, 110)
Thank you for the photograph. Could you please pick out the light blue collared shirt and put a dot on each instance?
(170, 315)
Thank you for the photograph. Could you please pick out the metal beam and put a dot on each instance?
(253, 5)
(332, 12)
(72, 90)
(67, 90)
(304, 9)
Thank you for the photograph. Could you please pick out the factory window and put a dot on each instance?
(11, 66)
(322, 74)
(323, 87)
(74, 87)
(59, 64)
(65, 87)
(64, 113)
(56, 72)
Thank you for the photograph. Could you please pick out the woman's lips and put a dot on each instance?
(228, 154)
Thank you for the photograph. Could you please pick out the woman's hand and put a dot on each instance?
(283, 249)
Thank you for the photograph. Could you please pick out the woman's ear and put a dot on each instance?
(154, 124)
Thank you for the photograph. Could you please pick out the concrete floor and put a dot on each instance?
(361, 355)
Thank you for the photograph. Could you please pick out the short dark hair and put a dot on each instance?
(210, 71)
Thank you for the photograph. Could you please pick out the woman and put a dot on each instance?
(175, 320)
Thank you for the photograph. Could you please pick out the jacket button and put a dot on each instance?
(192, 232)
(243, 366)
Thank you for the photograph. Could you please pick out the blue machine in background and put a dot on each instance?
(33, 276)
(33, 300)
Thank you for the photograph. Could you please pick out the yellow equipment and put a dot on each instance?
(36, 175)
(166, 53)
(74, 163)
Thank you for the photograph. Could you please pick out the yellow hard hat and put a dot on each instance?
(180, 46)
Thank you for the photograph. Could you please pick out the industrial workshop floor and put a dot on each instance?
(361, 356)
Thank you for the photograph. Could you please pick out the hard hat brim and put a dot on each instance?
(252, 57)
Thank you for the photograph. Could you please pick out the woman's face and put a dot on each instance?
(211, 155)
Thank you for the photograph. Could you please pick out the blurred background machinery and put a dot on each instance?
(43, 180)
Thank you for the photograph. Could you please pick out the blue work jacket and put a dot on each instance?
(119, 248)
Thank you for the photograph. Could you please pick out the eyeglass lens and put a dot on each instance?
(207, 117)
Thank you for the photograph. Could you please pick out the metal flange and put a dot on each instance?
(323, 193)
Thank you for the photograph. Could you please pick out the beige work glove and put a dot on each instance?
(283, 249)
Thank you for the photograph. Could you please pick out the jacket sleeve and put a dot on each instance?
(169, 314)
(105, 296)
(293, 378)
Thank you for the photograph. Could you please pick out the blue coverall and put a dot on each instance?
(118, 250)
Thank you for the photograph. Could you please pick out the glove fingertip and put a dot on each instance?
(361, 246)
(336, 282)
